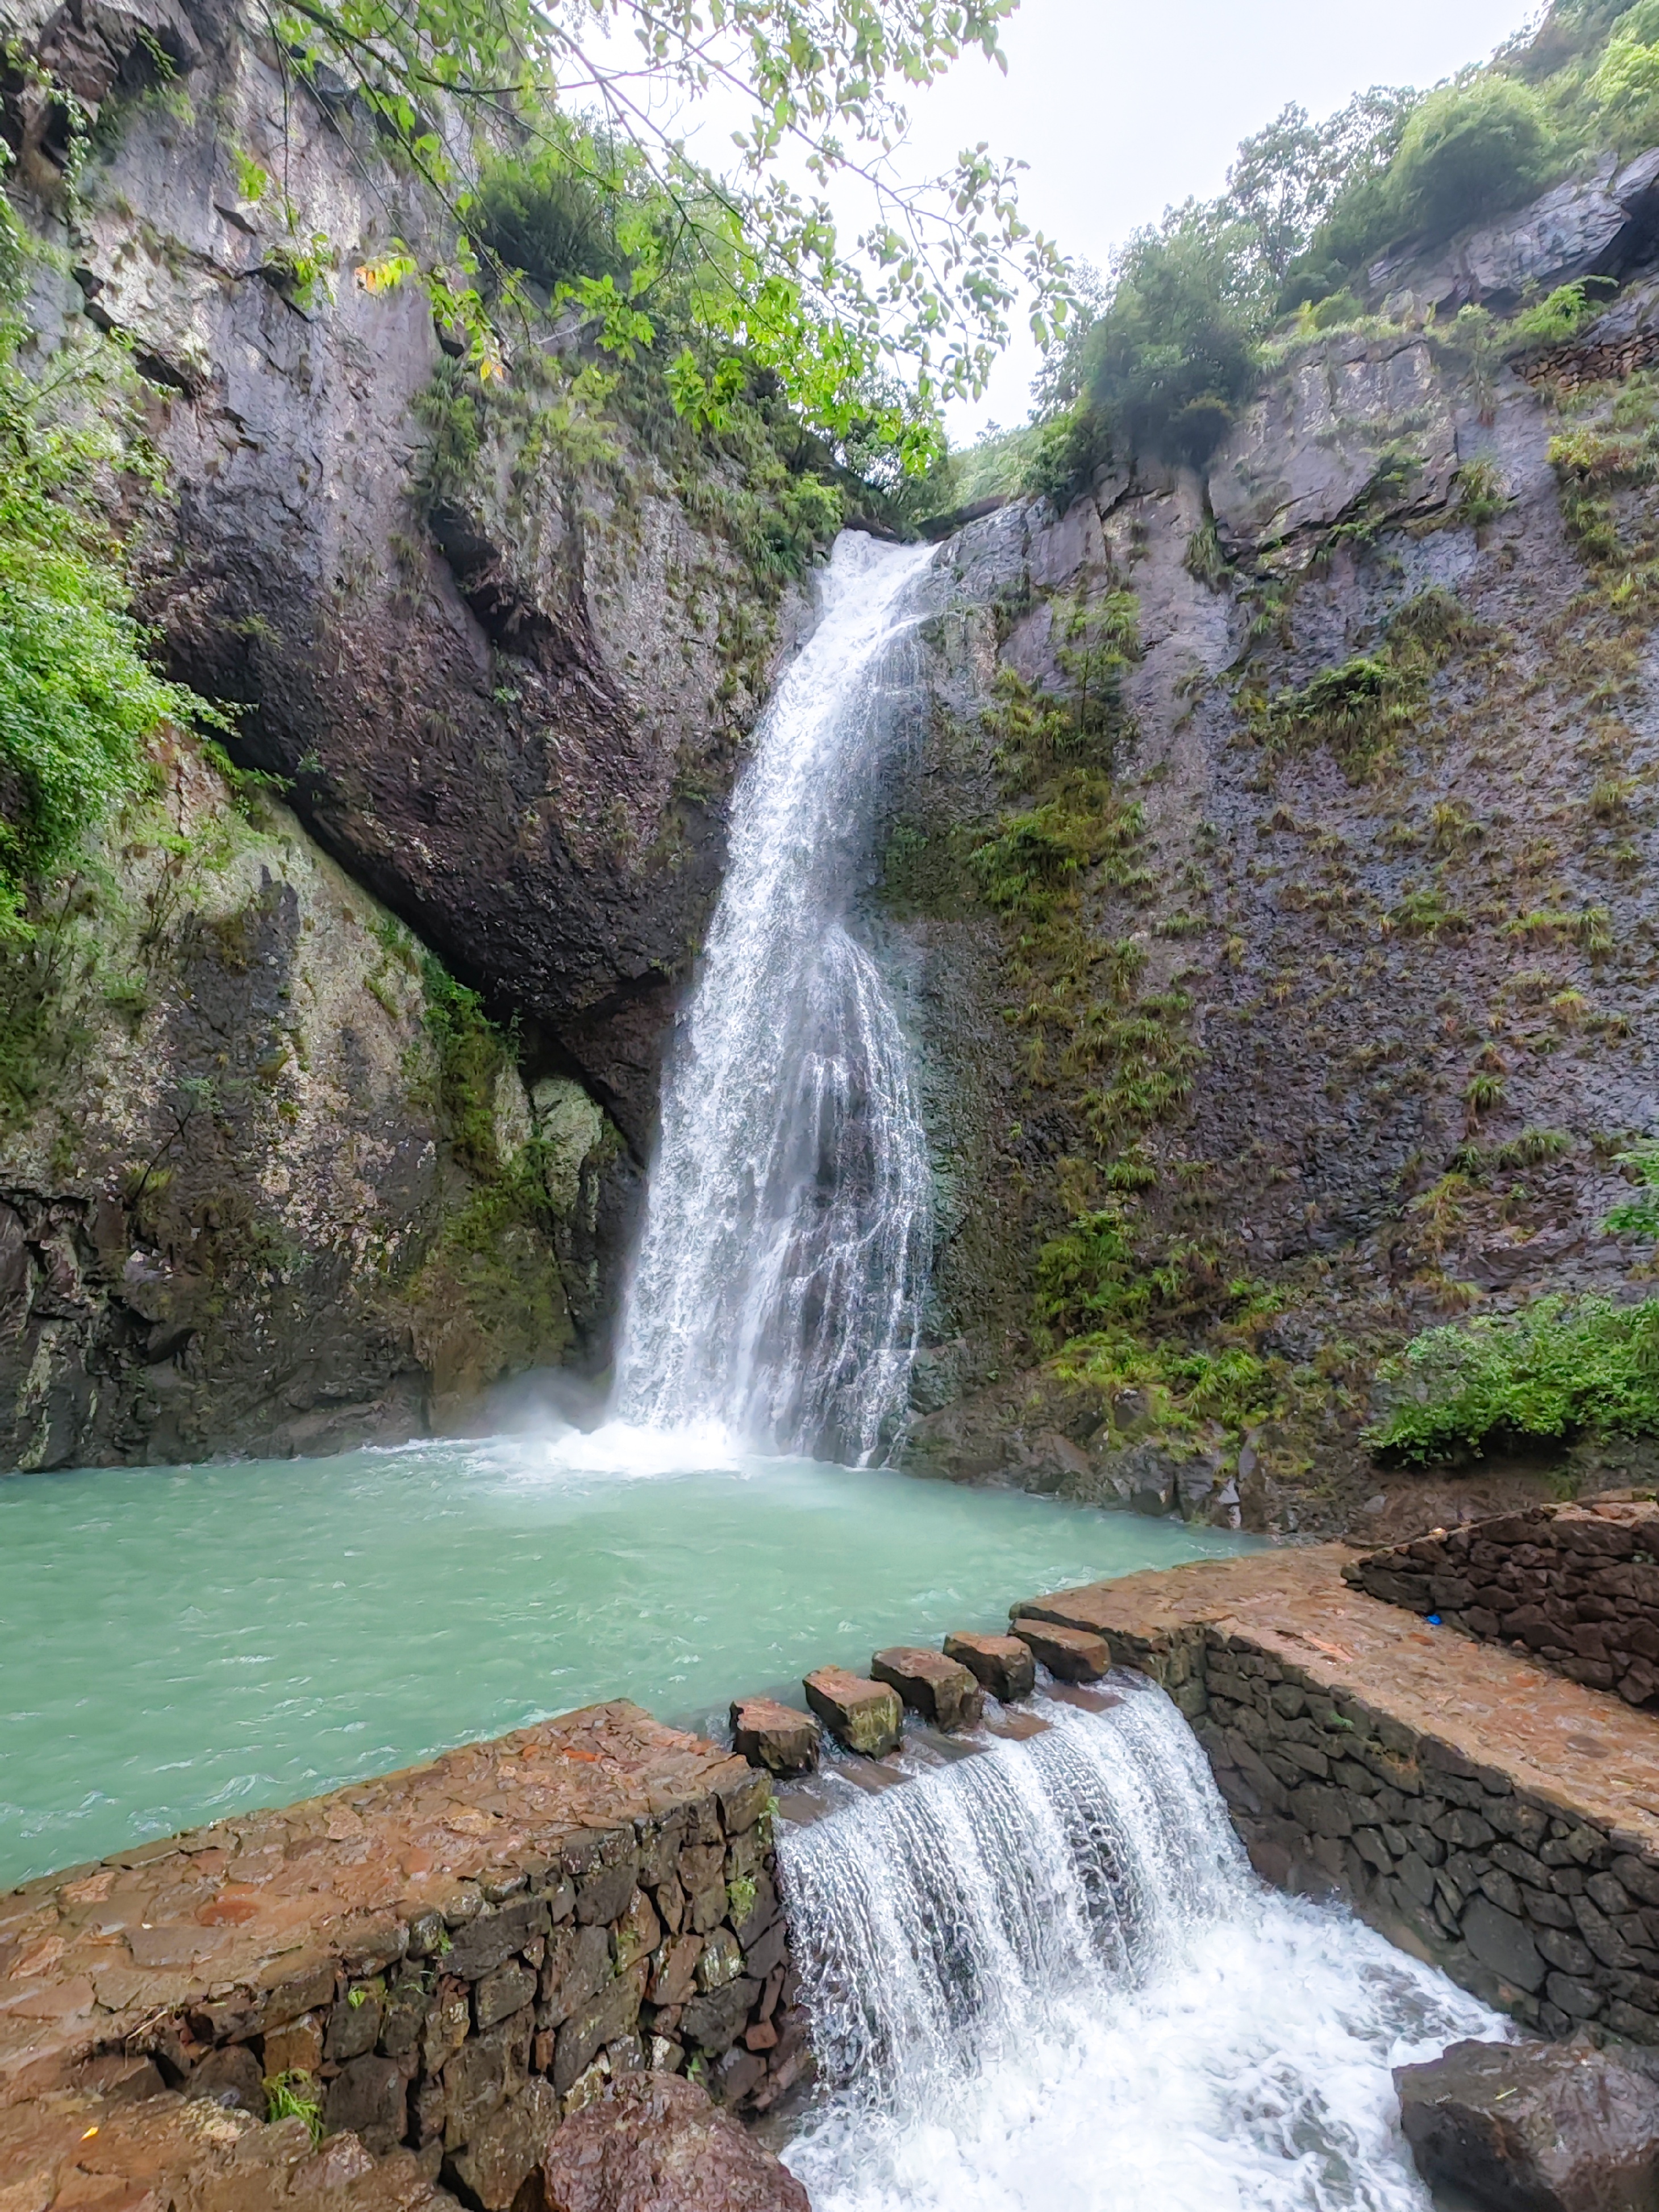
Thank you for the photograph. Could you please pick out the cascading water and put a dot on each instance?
(1045, 1977)
(777, 1288)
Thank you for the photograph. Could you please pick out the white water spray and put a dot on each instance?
(1046, 1978)
(777, 1293)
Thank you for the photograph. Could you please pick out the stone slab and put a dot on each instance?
(941, 1690)
(775, 1736)
(1073, 1654)
(1003, 1664)
(866, 1716)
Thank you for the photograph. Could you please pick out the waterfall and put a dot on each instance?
(778, 1287)
(1046, 1976)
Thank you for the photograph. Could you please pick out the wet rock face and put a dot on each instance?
(938, 1687)
(654, 2140)
(1600, 224)
(1386, 995)
(775, 1736)
(1003, 1664)
(1534, 2127)
(1305, 452)
(511, 707)
(233, 1216)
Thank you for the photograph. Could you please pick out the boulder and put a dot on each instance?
(1002, 1663)
(865, 1717)
(1534, 2127)
(941, 1689)
(1071, 1653)
(775, 1736)
(651, 2141)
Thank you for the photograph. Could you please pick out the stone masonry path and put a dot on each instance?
(1582, 1748)
(454, 1954)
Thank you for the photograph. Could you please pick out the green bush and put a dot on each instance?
(1468, 151)
(553, 214)
(1557, 1369)
(1174, 354)
(78, 696)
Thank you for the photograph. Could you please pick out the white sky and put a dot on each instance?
(1118, 108)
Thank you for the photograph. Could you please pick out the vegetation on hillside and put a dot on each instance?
(78, 695)
(1175, 340)
(930, 282)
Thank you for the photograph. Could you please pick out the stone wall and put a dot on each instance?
(1478, 1813)
(1578, 1586)
(447, 1962)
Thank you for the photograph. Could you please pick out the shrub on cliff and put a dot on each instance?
(1175, 353)
(1468, 151)
(77, 693)
(1557, 1369)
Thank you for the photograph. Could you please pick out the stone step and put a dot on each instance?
(865, 1715)
(1072, 1655)
(1003, 1664)
(941, 1690)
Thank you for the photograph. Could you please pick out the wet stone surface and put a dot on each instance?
(444, 1964)
(1003, 1664)
(775, 1736)
(940, 1689)
(865, 1717)
(1481, 1812)
(1535, 2127)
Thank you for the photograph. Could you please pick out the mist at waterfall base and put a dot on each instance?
(777, 1294)
(1046, 1976)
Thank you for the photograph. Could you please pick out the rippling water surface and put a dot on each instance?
(177, 1642)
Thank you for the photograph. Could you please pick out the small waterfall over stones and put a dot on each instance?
(778, 1288)
(1046, 1976)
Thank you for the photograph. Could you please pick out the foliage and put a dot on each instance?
(1556, 1369)
(1469, 150)
(294, 2096)
(1638, 1216)
(1625, 85)
(554, 213)
(1565, 312)
(931, 278)
(78, 696)
(472, 1053)
(1174, 353)
(1285, 180)
(1360, 706)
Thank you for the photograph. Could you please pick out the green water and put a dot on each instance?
(178, 1643)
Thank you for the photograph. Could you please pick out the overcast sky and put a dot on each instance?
(1119, 107)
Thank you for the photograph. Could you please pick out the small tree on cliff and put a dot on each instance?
(929, 282)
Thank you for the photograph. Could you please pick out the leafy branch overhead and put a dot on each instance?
(600, 86)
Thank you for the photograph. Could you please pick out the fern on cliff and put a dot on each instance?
(1556, 1369)
(78, 695)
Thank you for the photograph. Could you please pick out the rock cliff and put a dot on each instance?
(498, 652)
(1303, 997)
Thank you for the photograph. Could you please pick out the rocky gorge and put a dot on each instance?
(501, 652)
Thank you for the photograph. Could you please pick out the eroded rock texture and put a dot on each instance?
(1347, 996)
(506, 687)
(249, 1198)
(502, 669)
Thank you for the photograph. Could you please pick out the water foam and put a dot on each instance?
(1047, 1978)
(777, 1292)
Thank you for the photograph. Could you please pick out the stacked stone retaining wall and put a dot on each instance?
(446, 1962)
(1577, 1586)
(1500, 1823)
